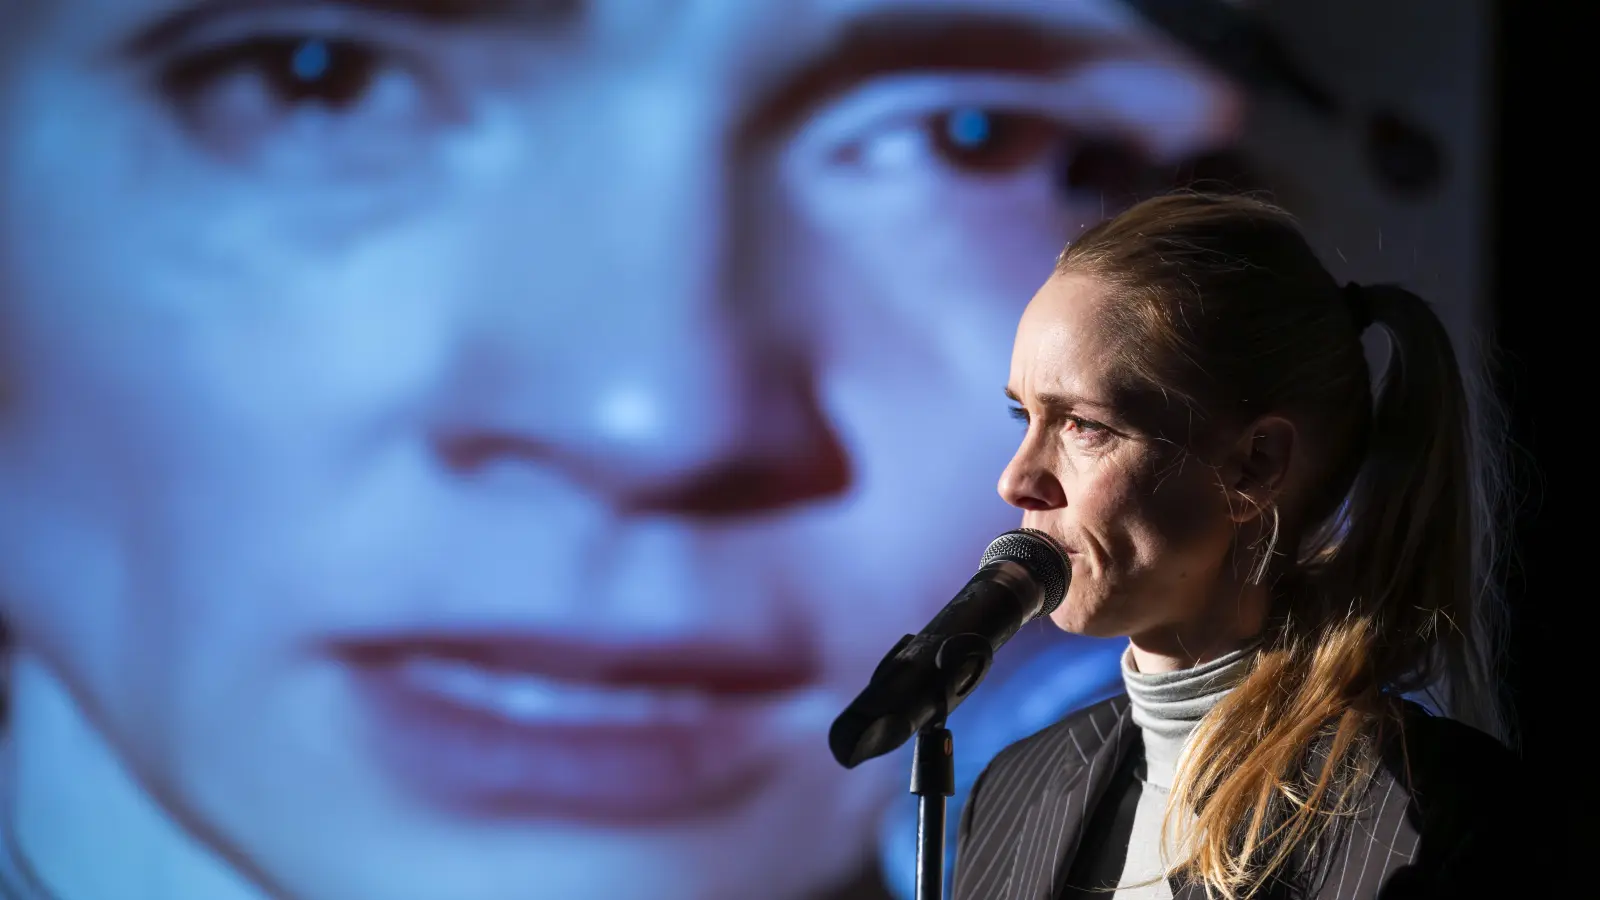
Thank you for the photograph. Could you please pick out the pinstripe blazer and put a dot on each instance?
(1442, 818)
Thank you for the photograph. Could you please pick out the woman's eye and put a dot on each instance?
(1087, 431)
(1077, 424)
(291, 71)
(1020, 414)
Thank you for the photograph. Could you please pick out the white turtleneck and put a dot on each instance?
(1167, 706)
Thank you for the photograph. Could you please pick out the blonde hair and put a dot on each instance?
(1384, 582)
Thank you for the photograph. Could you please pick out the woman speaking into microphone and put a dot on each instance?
(1298, 550)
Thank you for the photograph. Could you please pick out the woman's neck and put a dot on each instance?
(1232, 619)
(77, 822)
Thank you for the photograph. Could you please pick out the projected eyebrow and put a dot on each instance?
(550, 14)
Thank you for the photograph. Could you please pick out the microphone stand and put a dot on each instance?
(933, 779)
(962, 660)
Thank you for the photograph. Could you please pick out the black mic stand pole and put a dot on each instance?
(963, 660)
(933, 779)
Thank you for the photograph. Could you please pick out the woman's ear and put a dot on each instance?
(1258, 466)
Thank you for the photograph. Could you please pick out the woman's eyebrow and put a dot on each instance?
(1061, 402)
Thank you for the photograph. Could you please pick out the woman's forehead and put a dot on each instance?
(1061, 347)
(1066, 308)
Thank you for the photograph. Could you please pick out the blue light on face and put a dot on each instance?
(311, 60)
(969, 127)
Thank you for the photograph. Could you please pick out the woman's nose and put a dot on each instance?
(1030, 484)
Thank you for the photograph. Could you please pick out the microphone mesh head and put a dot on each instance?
(1039, 554)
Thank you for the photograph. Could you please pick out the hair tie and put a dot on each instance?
(1356, 300)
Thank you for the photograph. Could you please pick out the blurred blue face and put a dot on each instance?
(460, 450)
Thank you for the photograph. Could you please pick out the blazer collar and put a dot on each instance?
(1053, 823)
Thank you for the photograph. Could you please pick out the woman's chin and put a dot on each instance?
(1095, 615)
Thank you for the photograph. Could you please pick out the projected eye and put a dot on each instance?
(982, 140)
(286, 71)
(1098, 133)
(334, 99)
(992, 142)
(966, 140)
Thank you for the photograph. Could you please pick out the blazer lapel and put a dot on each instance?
(1053, 824)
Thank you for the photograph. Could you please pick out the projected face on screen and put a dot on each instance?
(471, 450)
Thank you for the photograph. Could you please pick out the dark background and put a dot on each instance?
(1543, 277)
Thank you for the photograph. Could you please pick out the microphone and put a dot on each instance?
(925, 676)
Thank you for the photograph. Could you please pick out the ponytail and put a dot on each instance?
(1420, 548)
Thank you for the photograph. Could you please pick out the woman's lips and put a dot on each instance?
(538, 728)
